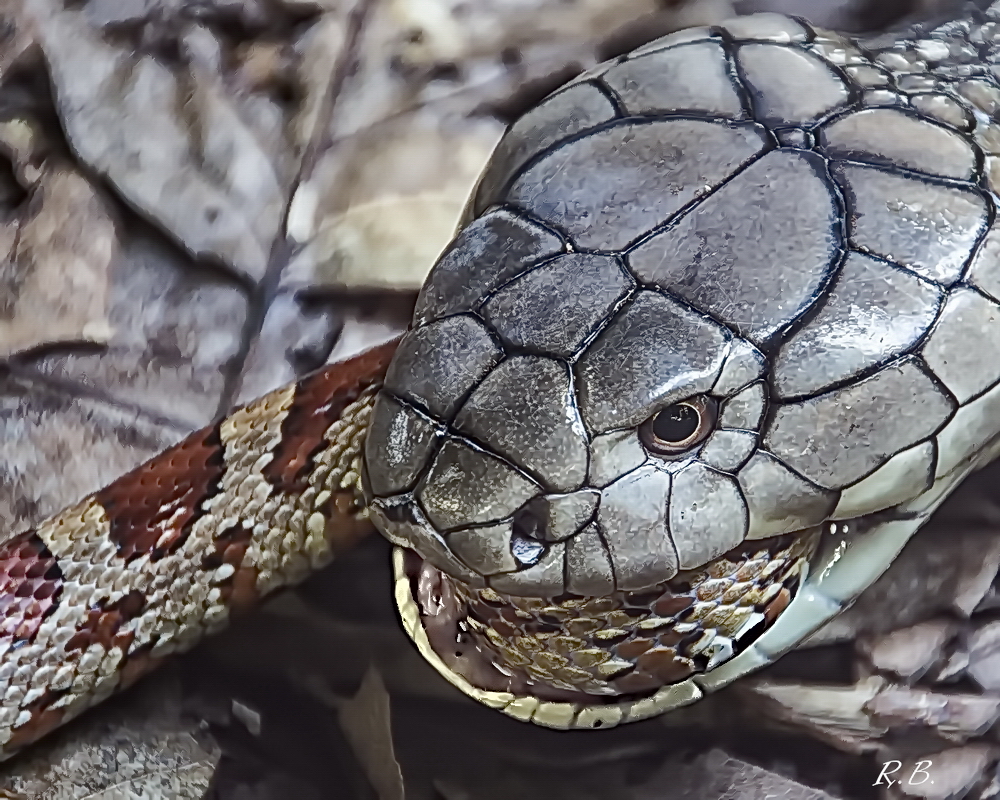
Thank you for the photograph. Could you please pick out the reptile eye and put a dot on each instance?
(677, 428)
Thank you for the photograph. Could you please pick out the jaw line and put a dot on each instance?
(843, 565)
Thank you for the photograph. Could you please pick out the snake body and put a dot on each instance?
(719, 331)
(98, 594)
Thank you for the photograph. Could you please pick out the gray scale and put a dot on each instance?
(466, 486)
(689, 77)
(545, 435)
(407, 439)
(441, 362)
(839, 437)
(762, 277)
(588, 565)
(790, 86)
(600, 190)
(560, 516)
(633, 516)
(708, 515)
(779, 500)
(544, 578)
(728, 450)
(917, 83)
(983, 273)
(928, 227)
(869, 77)
(745, 409)
(775, 217)
(874, 312)
(944, 109)
(969, 325)
(896, 138)
(882, 98)
(554, 308)
(497, 247)
(655, 351)
(487, 549)
(566, 113)
(614, 454)
(744, 363)
(983, 96)
(766, 26)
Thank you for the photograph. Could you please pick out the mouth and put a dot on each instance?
(573, 661)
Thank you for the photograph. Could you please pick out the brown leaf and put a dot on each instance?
(909, 652)
(176, 146)
(55, 256)
(367, 722)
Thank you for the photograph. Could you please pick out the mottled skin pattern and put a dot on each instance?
(98, 594)
(795, 229)
(784, 236)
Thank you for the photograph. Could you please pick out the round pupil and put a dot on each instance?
(675, 424)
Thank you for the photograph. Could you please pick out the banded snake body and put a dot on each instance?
(719, 331)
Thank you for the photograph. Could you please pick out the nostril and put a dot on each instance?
(527, 525)
(525, 544)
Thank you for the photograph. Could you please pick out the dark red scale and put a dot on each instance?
(30, 585)
(168, 489)
(320, 400)
(104, 623)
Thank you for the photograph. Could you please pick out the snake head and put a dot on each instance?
(684, 383)
(577, 450)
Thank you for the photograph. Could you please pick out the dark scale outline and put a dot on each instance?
(716, 392)
(603, 534)
(475, 205)
(771, 344)
(513, 349)
(920, 365)
(464, 396)
(764, 420)
(764, 452)
(991, 301)
(963, 186)
(503, 196)
(450, 248)
(599, 532)
(855, 157)
(852, 106)
(734, 479)
(622, 307)
(440, 431)
(870, 369)
(853, 92)
(571, 392)
(734, 79)
(755, 435)
(931, 439)
(475, 446)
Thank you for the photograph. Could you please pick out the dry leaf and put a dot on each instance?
(174, 146)
(367, 722)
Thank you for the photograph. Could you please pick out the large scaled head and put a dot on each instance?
(671, 345)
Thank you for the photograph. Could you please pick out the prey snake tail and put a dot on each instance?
(719, 331)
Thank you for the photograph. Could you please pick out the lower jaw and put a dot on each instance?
(593, 661)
